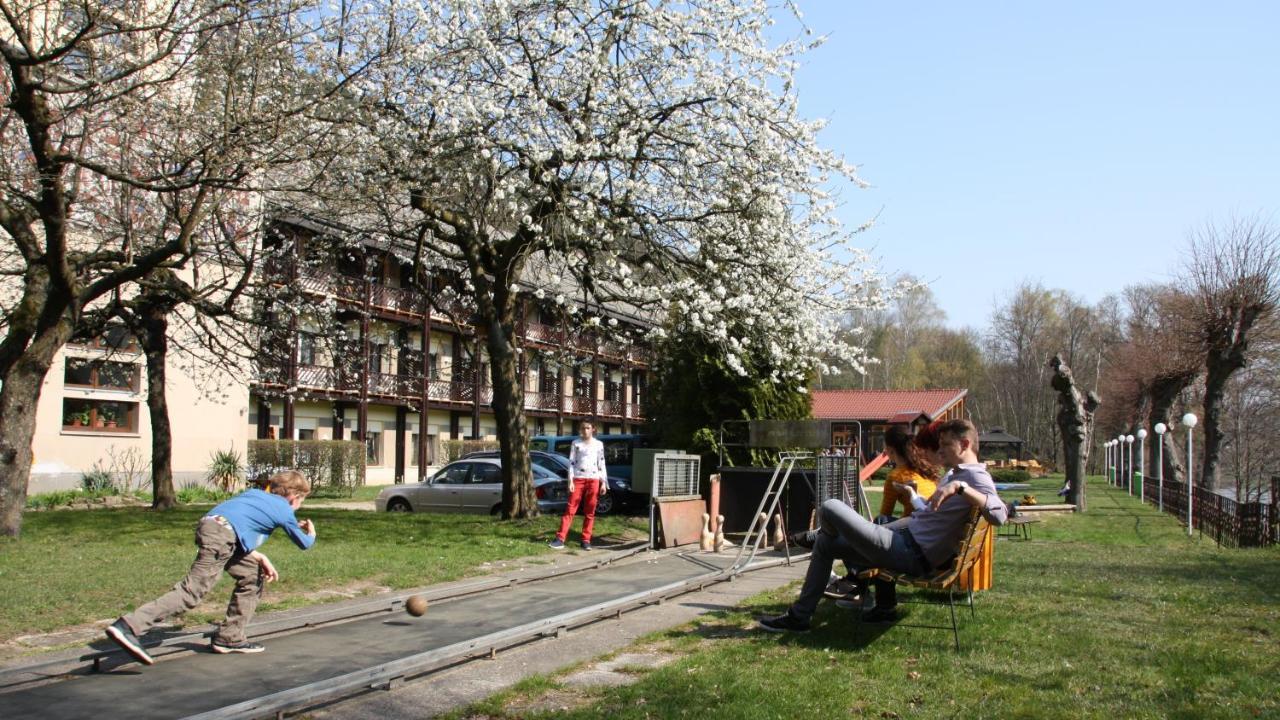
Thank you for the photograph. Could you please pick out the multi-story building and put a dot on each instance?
(378, 356)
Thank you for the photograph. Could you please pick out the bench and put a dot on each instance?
(1018, 525)
(945, 579)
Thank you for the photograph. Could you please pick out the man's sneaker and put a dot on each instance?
(881, 615)
(841, 587)
(122, 635)
(802, 539)
(244, 646)
(586, 545)
(785, 622)
(556, 544)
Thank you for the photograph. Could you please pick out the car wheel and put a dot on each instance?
(604, 504)
(496, 510)
(398, 505)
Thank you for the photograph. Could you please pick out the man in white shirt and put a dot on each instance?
(587, 482)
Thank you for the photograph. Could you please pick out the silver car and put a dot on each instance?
(471, 485)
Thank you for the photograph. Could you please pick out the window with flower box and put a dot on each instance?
(99, 415)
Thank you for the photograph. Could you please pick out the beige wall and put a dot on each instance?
(201, 425)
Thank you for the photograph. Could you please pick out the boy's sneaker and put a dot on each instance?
(556, 544)
(586, 545)
(881, 615)
(244, 646)
(122, 635)
(785, 622)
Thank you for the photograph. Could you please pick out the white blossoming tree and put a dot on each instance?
(646, 152)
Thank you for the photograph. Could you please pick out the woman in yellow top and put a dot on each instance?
(911, 467)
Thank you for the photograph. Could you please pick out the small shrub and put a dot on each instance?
(225, 470)
(1010, 476)
(98, 481)
(51, 500)
(201, 494)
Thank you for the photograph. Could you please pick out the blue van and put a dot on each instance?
(617, 449)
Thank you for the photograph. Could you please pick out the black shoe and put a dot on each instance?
(122, 635)
(881, 615)
(785, 622)
(586, 546)
(842, 588)
(244, 646)
(802, 539)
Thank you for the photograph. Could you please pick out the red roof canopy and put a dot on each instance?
(882, 405)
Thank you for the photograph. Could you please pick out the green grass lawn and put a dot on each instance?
(1112, 614)
(76, 566)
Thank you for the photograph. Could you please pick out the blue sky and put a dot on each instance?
(1071, 143)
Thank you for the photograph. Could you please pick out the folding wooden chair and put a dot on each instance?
(946, 579)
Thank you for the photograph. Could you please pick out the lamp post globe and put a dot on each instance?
(1190, 420)
(1160, 428)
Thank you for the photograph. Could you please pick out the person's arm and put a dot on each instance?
(993, 509)
(264, 566)
(573, 459)
(604, 472)
(890, 498)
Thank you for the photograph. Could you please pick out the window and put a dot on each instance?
(376, 351)
(114, 337)
(413, 450)
(306, 349)
(82, 372)
(617, 452)
(306, 434)
(99, 415)
(373, 448)
(486, 473)
(455, 474)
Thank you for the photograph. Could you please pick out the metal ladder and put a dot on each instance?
(760, 520)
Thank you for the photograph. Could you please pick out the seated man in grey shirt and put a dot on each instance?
(918, 544)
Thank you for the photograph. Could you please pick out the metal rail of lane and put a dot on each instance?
(389, 674)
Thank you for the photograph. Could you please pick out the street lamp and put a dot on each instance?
(1120, 454)
(1106, 454)
(1190, 421)
(1142, 463)
(1128, 441)
(1160, 430)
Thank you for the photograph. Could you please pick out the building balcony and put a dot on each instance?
(458, 392)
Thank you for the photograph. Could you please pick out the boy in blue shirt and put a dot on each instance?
(228, 538)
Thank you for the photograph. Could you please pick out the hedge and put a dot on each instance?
(1010, 476)
(334, 467)
(454, 449)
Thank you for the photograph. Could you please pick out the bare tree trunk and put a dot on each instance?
(1215, 385)
(20, 389)
(1075, 420)
(1164, 393)
(153, 332)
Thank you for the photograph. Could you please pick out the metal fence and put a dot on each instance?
(1228, 522)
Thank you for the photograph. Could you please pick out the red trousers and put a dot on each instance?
(590, 488)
